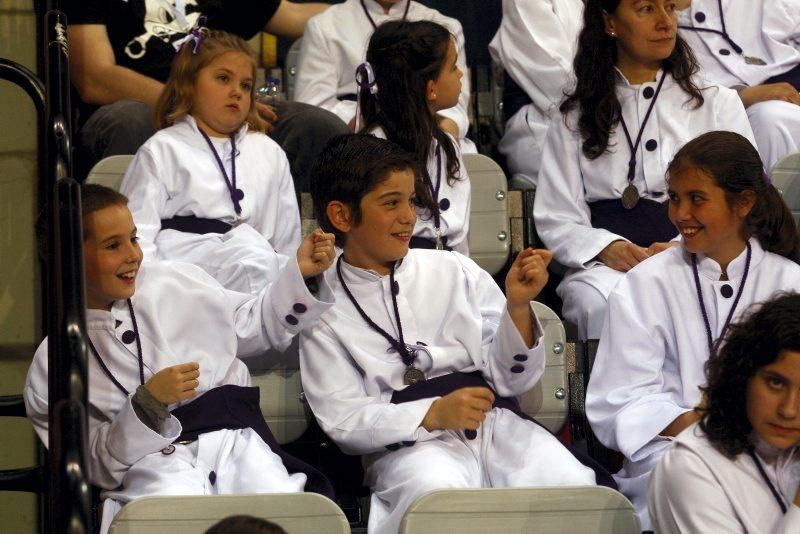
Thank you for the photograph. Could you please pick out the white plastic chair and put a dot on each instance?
(584, 509)
(489, 234)
(291, 64)
(109, 171)
(786, 179)
(548, 401)
(298, 513)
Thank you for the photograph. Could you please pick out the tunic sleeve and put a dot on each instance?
(507, 363)
(334, 387)
(626, 402)
(318, 73)
(116, 441)
(731, 115)
(535, 50)
(562, 215)
(147, 198)
(685, 496)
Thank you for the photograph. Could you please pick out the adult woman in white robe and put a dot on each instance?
(738, 469)
(599, 203)
(753, 47)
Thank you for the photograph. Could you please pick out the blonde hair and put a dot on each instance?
(177, 98)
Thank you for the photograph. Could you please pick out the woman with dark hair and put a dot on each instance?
(738, 468)
(739, 245)
(600, 199)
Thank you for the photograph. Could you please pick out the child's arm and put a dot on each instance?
(524, 281)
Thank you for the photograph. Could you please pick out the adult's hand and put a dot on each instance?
(622, 255)
(770, 91)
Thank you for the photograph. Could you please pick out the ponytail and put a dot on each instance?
(735, 165)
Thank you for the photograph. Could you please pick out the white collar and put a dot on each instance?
(711, 269)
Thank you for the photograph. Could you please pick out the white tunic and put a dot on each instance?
(182, 315)
(335, 43)
(454, 220)
(535, 44)
(175, 174)
(569, 181)
(649, 363)
(697, 488)
(455, 315)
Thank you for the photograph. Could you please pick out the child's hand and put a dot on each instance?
(622, 255)
(463, 409)
(527, 276)
(175, 383)
(655, 248)
(316, 253)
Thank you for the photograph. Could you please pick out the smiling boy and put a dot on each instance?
(413, 367)
(162, 334)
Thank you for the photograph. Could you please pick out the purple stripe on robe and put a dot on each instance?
(234, 407)
(442, 385)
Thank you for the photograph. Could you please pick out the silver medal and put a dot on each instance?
(752, 60)
(630, 197)
(413, 376)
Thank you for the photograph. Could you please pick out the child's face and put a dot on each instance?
(773, 401)
(111, 256)
(222, 93)
(387, 223)
(707, 222)
(447, 86)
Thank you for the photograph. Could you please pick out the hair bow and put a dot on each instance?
(365, 79)
(196, 35)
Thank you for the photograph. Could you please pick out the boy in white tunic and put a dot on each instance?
(535, 44)
(739, 246)
(753, 47)
(405, 370)
(335, 43)
(738, 469)
(170, 407)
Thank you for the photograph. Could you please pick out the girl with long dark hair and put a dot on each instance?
(600, 200)
(740, 245)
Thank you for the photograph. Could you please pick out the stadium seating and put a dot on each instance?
(786, 178)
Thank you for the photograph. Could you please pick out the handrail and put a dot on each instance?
(69, 501)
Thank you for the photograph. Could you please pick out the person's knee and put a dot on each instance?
(118, 128)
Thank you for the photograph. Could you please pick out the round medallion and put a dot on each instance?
(413, 376)
(630, 197)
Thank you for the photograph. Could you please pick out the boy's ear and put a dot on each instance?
(340, 216)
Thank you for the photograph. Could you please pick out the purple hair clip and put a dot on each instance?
(365, 79)
(196, 35)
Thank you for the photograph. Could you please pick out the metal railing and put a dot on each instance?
(68, 493)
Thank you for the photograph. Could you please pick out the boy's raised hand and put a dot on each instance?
(176, 383)
(527, 276)
(316, 253)
(463, 409)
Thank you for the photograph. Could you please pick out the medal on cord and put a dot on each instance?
(750, 60)
(437, 218)
(412, 374)
(703, 311)
(236, 194)
(630, 195)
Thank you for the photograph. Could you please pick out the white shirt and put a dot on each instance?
(649, 363)
(764, 29)
(454, 221)
(175, 174)
(536, 45)
(182, 315)
(335, 43)
(569, 181)
(697, 488)
(446, 302)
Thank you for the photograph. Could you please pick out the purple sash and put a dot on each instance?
(442, 385)
(792, 77)
(235, 407)
(644, 224)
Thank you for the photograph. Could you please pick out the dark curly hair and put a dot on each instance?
(749, 345)
(734, 164)
(405, 56)
(595, 93)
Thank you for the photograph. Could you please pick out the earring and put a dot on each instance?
(433, 95)
(612, 34)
